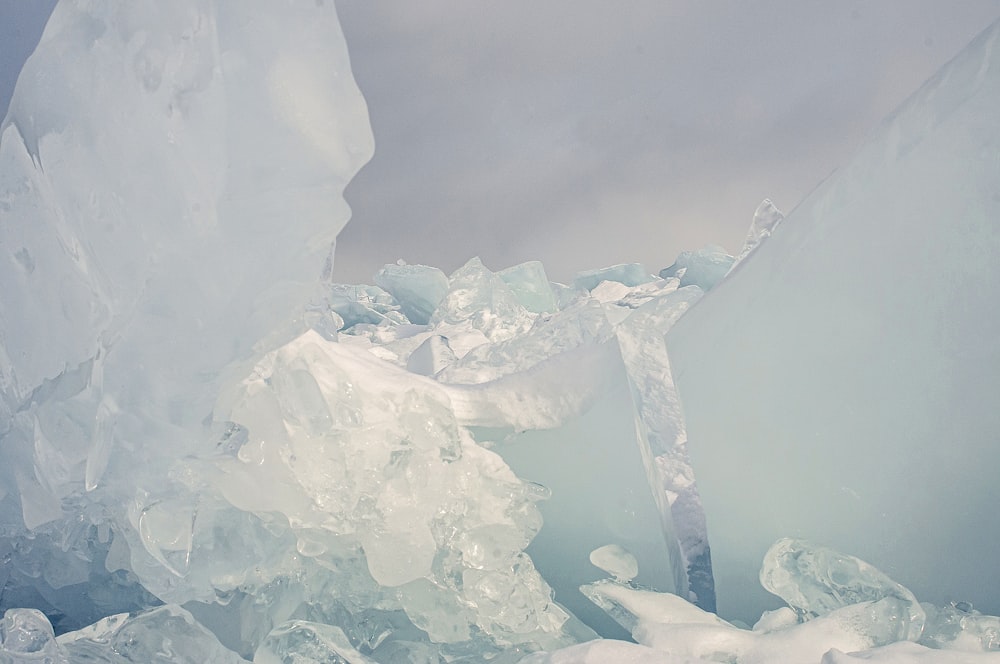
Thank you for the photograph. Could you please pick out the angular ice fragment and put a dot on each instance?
(431, 356)
(418, 289)
(838, 390)
(530, 286)
(478, 297)
(703, 268)
(815, 580)
(616, 561)
(364, 304)
(629, 274)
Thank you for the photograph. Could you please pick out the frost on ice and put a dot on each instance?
(212, 454)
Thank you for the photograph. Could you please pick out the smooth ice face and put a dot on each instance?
(840, 385)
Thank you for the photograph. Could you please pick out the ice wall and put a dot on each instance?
(841, 384)
(170, 189)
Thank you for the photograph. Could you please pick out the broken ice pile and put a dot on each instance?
(192, 417)
(210, 452)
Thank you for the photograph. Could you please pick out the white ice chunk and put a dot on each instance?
(616, 561)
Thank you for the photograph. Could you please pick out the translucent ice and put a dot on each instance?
(530, 286)
(418, 289)
(815, 580)
(960, 627)
(840, 385)
(165, 635)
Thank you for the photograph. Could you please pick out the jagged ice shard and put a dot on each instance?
(843, 383)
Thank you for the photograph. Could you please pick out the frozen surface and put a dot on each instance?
(841, 384)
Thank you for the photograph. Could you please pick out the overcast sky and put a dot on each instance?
(586, 133)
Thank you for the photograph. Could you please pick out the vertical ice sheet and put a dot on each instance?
(841, 384)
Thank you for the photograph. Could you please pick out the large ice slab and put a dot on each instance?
(170, 190)
(841, 384)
